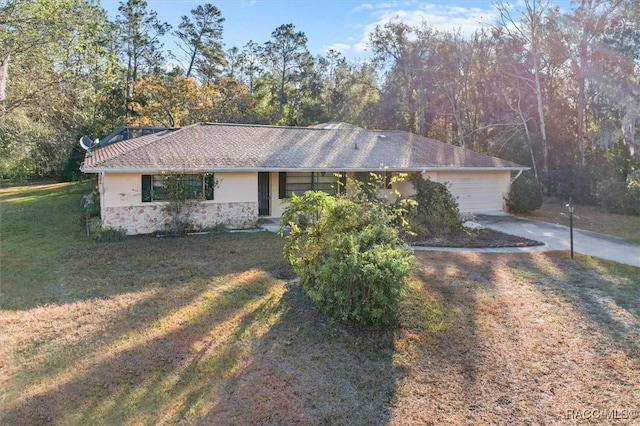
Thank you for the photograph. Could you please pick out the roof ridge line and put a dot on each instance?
(271, 126)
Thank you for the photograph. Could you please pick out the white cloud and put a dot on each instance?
(447, 18)
(343, 48)
(443, 18)
(363, 6)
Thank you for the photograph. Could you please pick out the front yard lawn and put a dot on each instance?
(214, 329)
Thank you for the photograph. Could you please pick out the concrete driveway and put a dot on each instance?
(557, 237)
(554, 237)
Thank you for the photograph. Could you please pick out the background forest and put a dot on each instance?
(559, 92)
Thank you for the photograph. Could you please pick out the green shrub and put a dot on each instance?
(97, 232)
(525, 194)
(348, 257)
(633, 193)
(19, 170)
(612, 195)
(110, 235)
(436, 210)
(90, 204)
(93, 225)
(621, 161)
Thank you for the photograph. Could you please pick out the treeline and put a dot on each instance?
(557, 91)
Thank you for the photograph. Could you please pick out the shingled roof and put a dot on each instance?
(208, 147)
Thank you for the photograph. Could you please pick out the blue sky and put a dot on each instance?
(343, 25)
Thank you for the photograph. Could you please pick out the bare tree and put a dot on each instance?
(530, 28)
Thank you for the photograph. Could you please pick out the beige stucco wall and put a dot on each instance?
(236, 186)
(236, 198)
(405, 187)
(121, 189)
(235, 204)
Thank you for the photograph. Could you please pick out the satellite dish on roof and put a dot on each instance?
(85, 143)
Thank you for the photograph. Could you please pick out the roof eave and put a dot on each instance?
(295, 169)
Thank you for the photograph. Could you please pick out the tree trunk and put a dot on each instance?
(4, 75)
(529, 142)
(543, 128)
(193, 59)
(281, 100)
(194, 54)
(581, 100)
(412, 110)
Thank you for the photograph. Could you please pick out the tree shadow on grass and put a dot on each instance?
(256, 353)
(306, 370)
(606, 294)
(144, 377)
(91, 270)
(507, 351)
(443, 322)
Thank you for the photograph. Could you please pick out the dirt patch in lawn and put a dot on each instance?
(466, 238)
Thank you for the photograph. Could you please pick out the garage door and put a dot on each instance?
(477, 191)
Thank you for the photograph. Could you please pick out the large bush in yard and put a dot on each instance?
(525, 194)
(612, 195)
(633, 193)
(347, 255)
(436, 210)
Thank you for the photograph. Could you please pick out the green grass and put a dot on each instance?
(214, 329)
(39, 227)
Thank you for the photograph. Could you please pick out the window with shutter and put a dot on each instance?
(197, 187)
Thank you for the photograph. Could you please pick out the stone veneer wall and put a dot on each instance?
(150, 218)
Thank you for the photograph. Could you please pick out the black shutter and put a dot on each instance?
(282, 185)
(210, 184)
(343, 183)
(146, 188)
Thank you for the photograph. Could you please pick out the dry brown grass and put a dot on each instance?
(141, 334)
(590, 218)
(212, 330)
(515, 339)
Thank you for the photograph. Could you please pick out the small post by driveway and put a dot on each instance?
(571, 207)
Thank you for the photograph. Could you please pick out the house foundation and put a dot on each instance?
(147, 219)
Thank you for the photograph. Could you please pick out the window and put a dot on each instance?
(385, 180)
(381, 179)
(196, 186)
(300, 182)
